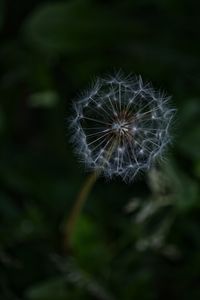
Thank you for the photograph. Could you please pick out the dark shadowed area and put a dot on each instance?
(131, 241)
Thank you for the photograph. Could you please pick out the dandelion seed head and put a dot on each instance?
(121, 126)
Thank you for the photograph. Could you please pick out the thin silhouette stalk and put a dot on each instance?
(76, 209)
(81, 199)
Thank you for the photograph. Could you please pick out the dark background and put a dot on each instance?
(137, 241)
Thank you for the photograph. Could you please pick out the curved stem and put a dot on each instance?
(76, 209)
(82, 197)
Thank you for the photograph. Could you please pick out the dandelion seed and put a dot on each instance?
(121, 126)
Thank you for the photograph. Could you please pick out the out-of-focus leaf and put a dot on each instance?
(184, 190)
(63, 26)
(50, 290)
(189, 134)
(87, 242)
(73, 26)
(80, 279)
(44, 99)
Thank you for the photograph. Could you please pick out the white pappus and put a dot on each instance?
(120, 126)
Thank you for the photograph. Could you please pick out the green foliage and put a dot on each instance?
(138, 241)
(44, 99)
(68, 27)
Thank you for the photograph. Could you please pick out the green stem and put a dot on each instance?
(76, 209)
(82, 197)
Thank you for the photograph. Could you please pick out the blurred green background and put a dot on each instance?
(137, 241)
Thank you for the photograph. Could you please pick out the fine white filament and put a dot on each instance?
(121, 126)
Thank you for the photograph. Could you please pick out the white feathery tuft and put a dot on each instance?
(121, 126)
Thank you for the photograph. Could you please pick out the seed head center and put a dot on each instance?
(120, 127)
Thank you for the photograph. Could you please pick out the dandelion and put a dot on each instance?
(121, 126)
